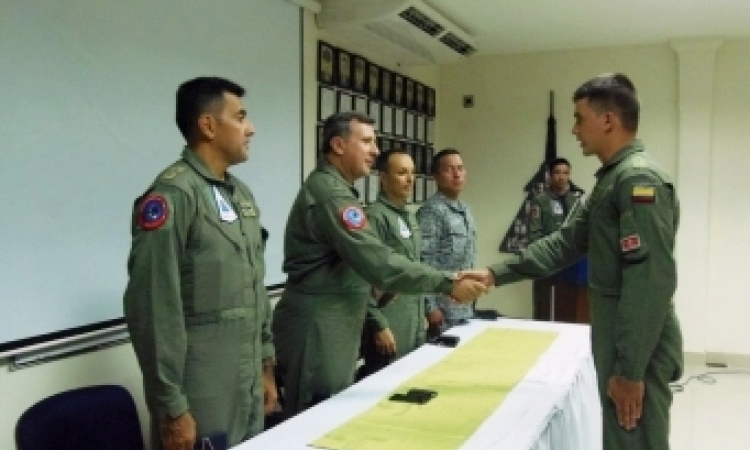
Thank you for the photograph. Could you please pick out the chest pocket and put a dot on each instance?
(401, 238)
(220, 262)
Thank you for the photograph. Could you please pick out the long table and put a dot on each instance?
(555, 406)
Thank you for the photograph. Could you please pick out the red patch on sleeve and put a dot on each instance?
(153, 213)
(354, 218)
(630, 243)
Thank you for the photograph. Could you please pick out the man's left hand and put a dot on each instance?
(270, 393)
(627, 396)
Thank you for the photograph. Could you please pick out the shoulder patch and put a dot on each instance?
(153, 213)
(630, 243)
(535, 212)
(173, 172)
(643, 194)
(638, 161)
(353, 217)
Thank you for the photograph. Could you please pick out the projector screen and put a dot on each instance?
(88, 91)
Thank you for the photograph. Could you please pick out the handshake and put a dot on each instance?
(468, 285)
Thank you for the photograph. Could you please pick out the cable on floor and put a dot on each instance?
(705, 378)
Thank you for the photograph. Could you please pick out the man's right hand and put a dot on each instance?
(178, 433)
(467, 290)
(434, 322)
(385, 342)
(485, 276)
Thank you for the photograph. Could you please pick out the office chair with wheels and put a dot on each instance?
(89, 418)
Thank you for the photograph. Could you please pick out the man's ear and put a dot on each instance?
(337, 144)
(207, 125)
(610, 120)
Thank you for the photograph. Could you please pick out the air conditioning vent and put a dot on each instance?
(408, 32)
(421, 21)
(454, 42)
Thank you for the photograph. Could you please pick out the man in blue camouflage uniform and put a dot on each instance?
(448, 237)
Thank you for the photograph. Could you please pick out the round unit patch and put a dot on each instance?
(154, 212)
(354, 218)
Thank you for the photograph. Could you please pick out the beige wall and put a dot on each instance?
(726, 310)
(502, 139)
(503, 136)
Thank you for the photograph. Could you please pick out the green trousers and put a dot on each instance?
(665, 365)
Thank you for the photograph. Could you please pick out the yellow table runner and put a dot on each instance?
(471, 383)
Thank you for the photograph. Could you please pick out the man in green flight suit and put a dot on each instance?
(393, 326)
(550, 208)
(627, 228)
(548, 211)
(333, 258)
(195, 304)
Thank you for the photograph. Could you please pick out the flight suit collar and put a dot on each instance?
(634, 147)
(201, 168)
(384, 200)
(327, 167)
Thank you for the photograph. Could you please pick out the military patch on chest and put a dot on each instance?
(534, 211)
(353, 217)
(643, 194)
(630, 243)
(153, 213)
(403, 229)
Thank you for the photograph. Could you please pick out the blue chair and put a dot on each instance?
(90, 418)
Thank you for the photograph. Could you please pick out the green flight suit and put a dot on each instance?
(627, 228)
(195, 304)
(405, 314)
(332, 258)
(548, 212)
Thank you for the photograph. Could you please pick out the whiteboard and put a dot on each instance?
(87, 122)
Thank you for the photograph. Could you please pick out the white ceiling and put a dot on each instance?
(519, 26)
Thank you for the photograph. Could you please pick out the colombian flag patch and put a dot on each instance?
(643, 194)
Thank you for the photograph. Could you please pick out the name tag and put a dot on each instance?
(247, 209)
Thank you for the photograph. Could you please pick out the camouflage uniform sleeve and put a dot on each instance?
(536, 230)
(648, 219)
(356, 243)
(547, 255)
(153, 303)
(431, 227)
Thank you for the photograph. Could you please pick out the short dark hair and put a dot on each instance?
(435, 163)
(612, 92)
(381, 164)
(339, 125)
(556, 162)
(199, 95)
